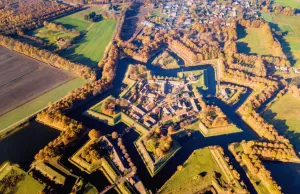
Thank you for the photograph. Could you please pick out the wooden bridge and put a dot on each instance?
(118, 181)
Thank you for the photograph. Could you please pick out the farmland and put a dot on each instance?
(291, 26)
(38, 103)
(23, 79)
(88, 49)
(285, 115)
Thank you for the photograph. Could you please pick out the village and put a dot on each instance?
(155, 102)
(184, 14)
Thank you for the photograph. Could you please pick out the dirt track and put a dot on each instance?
(23, 78)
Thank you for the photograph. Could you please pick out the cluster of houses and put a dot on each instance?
(206, 10)
(280, 68)
(160, 101)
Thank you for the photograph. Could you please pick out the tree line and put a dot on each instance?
(59, 27)
(55, 116)
(270, 6)
(48, 57)
(268, 88)
(30, 14)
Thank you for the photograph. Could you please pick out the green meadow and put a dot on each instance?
(284, 114)
(289, 3)
(253, 41)
(195, 175)
(290, 26)
(88, 49)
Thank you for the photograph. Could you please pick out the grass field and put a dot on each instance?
(89, 49)
(290, 3)
(284, 114)
(214, 131)
(290, 26)
(26, 185)
(200, 75)
(197, 174)
(38, 103)
(252, 41)
(267, 16)
(259, 185)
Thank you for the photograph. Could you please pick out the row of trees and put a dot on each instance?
(250, 64)
(205, 52)
(54, 114)
(30, 14)
(278, 9)
(182, 50)
(47, 57)
(268, 88)
(235, 173)
(109, 64)
(256, 167)
(126, 155)
(276, 151)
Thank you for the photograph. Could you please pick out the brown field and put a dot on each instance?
(23, 79)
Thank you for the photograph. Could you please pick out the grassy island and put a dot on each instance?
(284, 115)
(204, 170)
(15, 180)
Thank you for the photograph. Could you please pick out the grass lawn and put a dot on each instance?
(197, 174)
(214, 131)
(26, 185)
(90, 48)
(290, 3)
(39, 103)
(267, 16)
(259, 185)
(253, 42)
(200, 75)
(284, 114)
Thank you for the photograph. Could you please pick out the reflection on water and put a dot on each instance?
(21, 146)
(287, 175)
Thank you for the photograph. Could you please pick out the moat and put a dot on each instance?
(21, 146)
